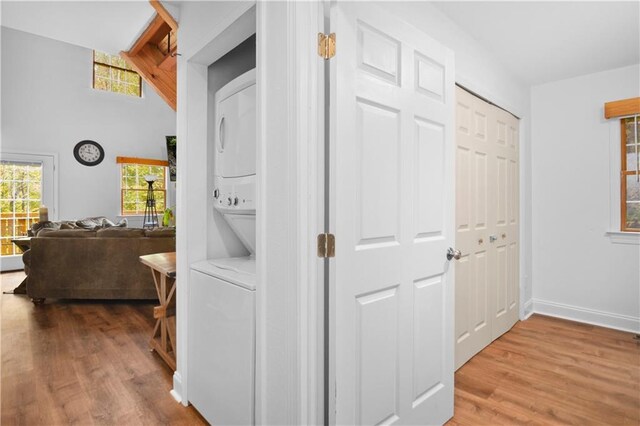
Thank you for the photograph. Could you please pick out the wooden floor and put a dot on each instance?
(83, 363)
(88, 363)
(551, 371)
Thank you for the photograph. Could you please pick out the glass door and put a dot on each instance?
(26, 183)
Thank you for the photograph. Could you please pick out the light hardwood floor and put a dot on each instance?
(88, 363)
(551, 371)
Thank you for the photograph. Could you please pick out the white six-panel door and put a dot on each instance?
(486, 224)
(392, 147)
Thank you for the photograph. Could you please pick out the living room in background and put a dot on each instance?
(26, 184)
(111, 73)
(134, 187)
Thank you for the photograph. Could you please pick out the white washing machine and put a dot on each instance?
(222, 318)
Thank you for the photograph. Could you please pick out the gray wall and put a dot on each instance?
(48, 105)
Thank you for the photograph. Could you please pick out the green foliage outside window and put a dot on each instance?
(113, 74)
(20, 198)
(134, 187)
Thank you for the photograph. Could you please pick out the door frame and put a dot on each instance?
(290, 194)
(15, 262)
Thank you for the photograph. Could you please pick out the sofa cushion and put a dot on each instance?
(117, 232)
(161, 232)
(39, 226)
(68, 225)
(91, 222)
(66, 233)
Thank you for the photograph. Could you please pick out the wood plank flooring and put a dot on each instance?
(84, 363)
(88, 363)
(551, 371)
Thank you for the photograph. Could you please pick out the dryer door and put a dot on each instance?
(236, 134)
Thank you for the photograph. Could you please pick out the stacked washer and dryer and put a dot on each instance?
(222, 303)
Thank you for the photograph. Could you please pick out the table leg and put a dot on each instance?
(162, 330)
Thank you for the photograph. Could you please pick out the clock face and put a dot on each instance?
(89, 153)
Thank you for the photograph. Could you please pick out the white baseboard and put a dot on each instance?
(588, 316)
(176, 392)
(528, 309)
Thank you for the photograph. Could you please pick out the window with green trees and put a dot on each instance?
(20, 199)
(113, 74)
(134, 187)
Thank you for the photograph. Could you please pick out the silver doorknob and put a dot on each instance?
(453, 254)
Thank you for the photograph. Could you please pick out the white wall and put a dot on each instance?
(48, 106)
(578, 271)
(481, 71)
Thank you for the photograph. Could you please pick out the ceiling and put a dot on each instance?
(538, 41)
(548, 41)
(110, 26)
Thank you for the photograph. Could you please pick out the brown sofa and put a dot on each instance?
(102, 264)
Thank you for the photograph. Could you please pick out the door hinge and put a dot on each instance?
(326, 245)
(327, 45)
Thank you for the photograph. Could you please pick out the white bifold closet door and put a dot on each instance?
(392, 106)
(487, 220)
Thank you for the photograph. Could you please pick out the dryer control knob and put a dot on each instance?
(216, 193)
(236, 201)
(229, 201)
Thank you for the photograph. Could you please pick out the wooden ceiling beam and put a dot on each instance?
(156, 64)
(164, 14)
(162, 81)
(155, 32)
(168, 63)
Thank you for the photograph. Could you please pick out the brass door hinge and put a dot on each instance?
(327, 45)
(326, 245)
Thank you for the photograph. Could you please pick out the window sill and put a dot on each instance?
(619, 237)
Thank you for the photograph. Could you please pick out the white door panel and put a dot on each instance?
(392, 212)
(486, 228)
(506, 224)
(473, 201)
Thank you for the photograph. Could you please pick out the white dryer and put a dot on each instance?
(222, 318)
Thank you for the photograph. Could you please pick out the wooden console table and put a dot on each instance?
(163, 339)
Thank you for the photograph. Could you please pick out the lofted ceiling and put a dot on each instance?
(109, 26)
(549, 40)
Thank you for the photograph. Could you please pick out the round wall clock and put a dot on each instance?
(89, 153)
